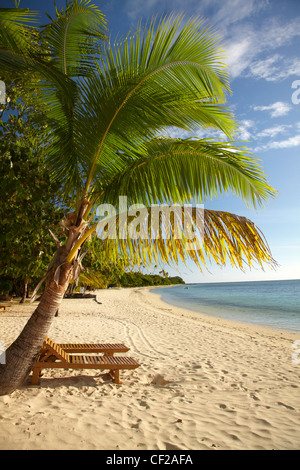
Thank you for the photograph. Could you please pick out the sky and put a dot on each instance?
(261, 39)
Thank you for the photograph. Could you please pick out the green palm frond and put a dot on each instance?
(94, 279)
(23, 51)
(73, 40)
(75, 37)
(176, 170)
(15, 32)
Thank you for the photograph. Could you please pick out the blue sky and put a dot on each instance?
(261, 39)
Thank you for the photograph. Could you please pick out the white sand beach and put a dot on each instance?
(203, 383)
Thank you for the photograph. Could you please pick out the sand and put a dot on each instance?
(203, 383)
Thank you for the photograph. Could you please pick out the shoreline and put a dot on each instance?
(214, 314)
(204, 383)
(219, 320)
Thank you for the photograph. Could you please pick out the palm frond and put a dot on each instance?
(177, 170)
(22, 51)
(222, 237)
(75, 37)
(15, 32)
(93, 279)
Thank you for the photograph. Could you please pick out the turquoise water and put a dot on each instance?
(267, 303)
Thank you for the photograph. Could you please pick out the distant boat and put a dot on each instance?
(186, 287)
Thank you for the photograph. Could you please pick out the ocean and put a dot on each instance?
(275, 304)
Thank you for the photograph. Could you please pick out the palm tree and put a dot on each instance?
(107, 139)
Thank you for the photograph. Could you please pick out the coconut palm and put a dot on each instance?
(107, 139)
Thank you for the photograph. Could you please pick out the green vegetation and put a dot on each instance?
(29, 204)
(140, 279)
(100, 272)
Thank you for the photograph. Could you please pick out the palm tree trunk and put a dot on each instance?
(24, 291)
(21, 355)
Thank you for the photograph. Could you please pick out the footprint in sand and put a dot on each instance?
(144, 403)
(254, 397)
(224, 407)
(209, 364)
(286, 406)
(170, 446)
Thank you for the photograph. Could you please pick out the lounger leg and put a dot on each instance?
(36, 376)
(115, 375)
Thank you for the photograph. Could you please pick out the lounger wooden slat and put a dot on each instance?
(97, 348)
(52, 355)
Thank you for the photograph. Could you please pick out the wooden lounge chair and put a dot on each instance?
(53, 356)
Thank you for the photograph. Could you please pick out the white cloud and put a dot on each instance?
(229, 12)
(276, 109)
(282, 144)
(221, 13)
(245, 132)
(136, 9)
(250, 49)
(273, 131)
(274, 68)
(176, 133)
(250, 32)
(237, 56)
(249, 44)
